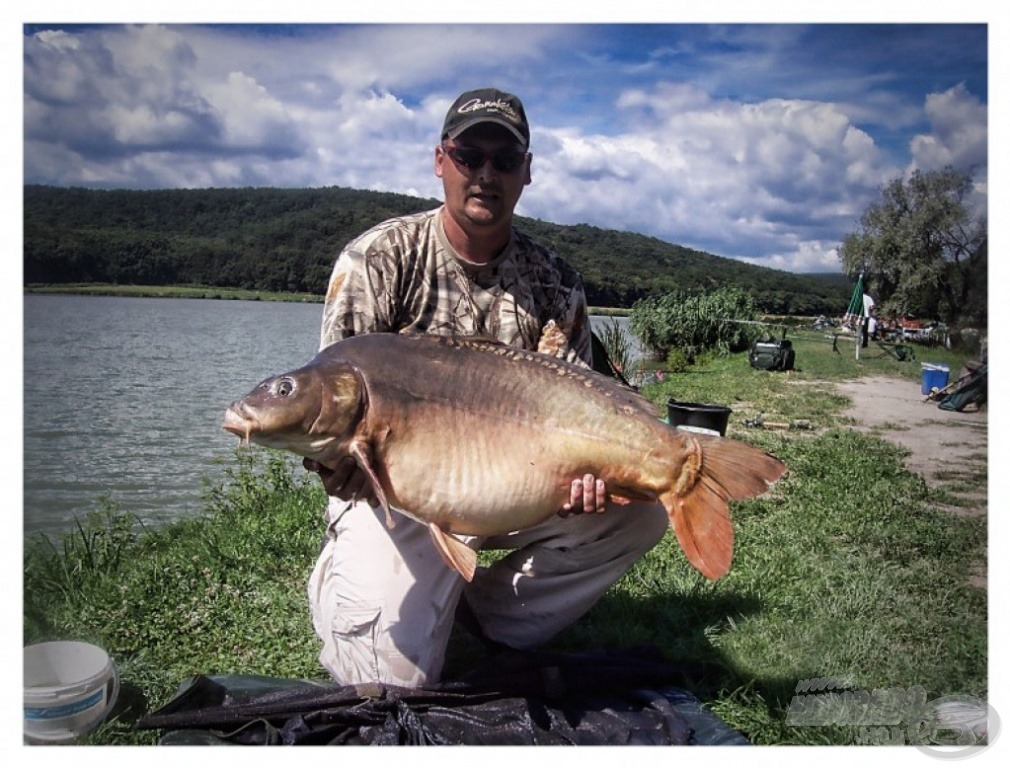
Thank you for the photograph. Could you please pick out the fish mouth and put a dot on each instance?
(239, 423)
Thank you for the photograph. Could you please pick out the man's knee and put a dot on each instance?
(359, 647)
(654, 525)
(620, 535)
(637, 526)
(382, 608)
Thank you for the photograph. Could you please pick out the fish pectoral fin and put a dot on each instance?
(363, 458)
(454, 552)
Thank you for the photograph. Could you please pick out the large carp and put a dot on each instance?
(478, 438)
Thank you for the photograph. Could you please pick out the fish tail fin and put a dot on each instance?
(716, 472)
(454, 552)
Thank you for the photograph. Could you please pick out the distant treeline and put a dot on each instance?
(287, 240)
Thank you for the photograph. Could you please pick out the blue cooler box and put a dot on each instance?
(934, 376)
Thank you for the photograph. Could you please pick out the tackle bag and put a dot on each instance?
(773, 355)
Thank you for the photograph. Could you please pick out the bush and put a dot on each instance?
(677, 361)
(618, 346)
(695, 323)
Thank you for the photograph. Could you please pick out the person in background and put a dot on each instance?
(382, 601)
(869, 321)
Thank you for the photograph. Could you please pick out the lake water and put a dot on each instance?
(123, 397)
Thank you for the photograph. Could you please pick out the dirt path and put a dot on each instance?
(942, 445)
(940, 442)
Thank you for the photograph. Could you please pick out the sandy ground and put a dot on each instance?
(941, 444)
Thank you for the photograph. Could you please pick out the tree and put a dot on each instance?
(288, 239)
(922, 249)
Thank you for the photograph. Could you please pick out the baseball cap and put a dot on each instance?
(487, 105)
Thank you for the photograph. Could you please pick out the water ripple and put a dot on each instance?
(124, 397)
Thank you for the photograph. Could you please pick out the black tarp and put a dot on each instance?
(529, 699)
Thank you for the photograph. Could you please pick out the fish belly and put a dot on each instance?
(477, 481)
(487, 473)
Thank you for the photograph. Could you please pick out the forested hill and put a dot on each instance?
(287, 240)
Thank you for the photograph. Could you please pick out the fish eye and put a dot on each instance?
(285, 387)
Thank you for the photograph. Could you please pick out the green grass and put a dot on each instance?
(219, 594)
(848, 569)
(170, 292)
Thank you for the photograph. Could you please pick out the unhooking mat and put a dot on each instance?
(540, 699)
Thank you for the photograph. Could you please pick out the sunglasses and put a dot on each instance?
(502, 160)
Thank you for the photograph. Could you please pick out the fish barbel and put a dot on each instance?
(473, 437)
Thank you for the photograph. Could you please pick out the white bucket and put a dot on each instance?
(70, 688)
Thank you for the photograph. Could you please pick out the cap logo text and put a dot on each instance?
(476, 105)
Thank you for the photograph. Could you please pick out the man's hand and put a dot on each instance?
(588, 496)
(346, 482)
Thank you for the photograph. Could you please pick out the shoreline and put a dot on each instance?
(211, 292)
(169, 292)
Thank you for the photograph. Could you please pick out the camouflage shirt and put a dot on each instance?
(403, 275)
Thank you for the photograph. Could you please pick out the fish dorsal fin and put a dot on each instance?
(450, 337)
(553, 341)
(359, 451)
(454, 552)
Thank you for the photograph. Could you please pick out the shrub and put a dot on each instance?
(618, 346)
(695, 323)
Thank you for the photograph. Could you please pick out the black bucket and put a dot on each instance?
(698, 417)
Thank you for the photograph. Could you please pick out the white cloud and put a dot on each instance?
(743, 179)
(959, 137)
(249, 115)
(808, 256)
(102, 97)
(775, 181)
(959, 134)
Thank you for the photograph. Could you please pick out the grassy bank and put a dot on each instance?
(208, 292)
(170, 292)
(847, 570)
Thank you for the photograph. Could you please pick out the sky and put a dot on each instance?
(763, 142)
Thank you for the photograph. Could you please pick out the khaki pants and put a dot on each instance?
(383, 602)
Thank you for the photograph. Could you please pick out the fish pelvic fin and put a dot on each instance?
(360, 453)
(454, 552)
(716, 471)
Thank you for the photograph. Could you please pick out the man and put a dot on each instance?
(869, 321)
(382, 600)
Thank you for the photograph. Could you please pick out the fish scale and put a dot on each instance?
(469, 468)
(471, 437)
